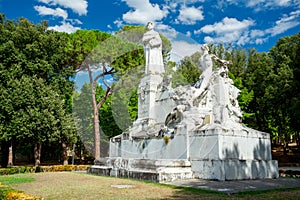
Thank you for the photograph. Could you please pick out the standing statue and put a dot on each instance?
(153, 51)
(206, 61)
(206, 64)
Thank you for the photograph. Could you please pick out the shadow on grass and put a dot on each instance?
(191, 193)
(197, 193)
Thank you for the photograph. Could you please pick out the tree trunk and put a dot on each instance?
(96, 125)
(37, 153)
(65, 153)
(95, 115)
(10, 156)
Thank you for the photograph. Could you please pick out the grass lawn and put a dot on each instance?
(74, 185)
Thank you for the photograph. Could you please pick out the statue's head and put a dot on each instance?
(150, 25)
(204, 47)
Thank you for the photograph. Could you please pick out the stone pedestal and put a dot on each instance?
(159, 170)
(210, 152)
(154, 104)
(147, 94)
(220, 154)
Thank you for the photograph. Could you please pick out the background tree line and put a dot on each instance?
(37, 97)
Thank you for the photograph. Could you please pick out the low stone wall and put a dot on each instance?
(142, 169)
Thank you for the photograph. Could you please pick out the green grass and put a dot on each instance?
(15, 179)
(71, 185)
(282, 193)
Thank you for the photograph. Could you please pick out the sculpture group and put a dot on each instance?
(188, 131)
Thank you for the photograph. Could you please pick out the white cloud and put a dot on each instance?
(189, 15)
(271, 3)
(119, 23)
(58, 12)
(186, 2)
(281, 28)
(283, 24)
(143, 11)
(259, 5)
(77, 6)
(74, 21)
(181, 48)
(260, 40)
(257, 33)
(44, 1)
(166, 30)
(64, 27)
(229, 30)
(227, 25)
(188, 33)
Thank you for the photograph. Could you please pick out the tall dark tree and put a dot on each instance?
(33, 66)
(113, 56)
(286, 88)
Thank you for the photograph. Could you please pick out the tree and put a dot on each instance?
(83, 114)
(113, 56)
(272, 78)
(287, 87)
(34, 65)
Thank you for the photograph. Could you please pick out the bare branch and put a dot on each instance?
(105, 72)
(108, 92)
(105, 83)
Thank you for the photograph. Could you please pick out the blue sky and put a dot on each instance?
(246, 23)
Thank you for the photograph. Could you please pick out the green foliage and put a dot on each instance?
(83, 114)
(188, 70)
(5, 190)
(273, 79)
(14, 170)
(125, 98)
(244, 98)
(35, 84)
(81, 43)
(107, 122)
(35, 169)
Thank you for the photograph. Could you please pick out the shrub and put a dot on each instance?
(9, 193)
(20, 196)
(4, 190)
(32, 169)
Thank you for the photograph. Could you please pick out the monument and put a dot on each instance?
(188, 131)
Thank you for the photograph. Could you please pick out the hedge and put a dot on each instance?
(36, 169)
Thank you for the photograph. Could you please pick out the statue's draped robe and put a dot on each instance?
(153, 52)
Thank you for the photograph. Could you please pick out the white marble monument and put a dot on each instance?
(187, 132)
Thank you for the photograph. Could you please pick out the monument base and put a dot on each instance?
(234, 169)
(218, 153)
(211, 152)
(142, 169)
